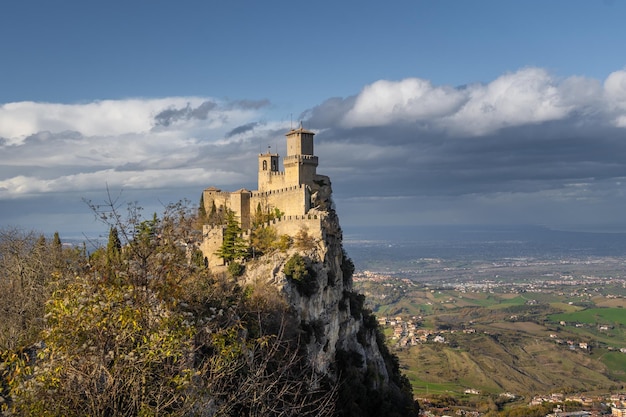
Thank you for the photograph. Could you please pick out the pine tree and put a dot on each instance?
(57, 251)
(202, 216)
(56, 242)
(213, 217)
(114, 248)
(259, 219)
(233, 246)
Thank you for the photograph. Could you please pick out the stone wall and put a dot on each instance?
(212, 236)
(291, 201)
(271, 180)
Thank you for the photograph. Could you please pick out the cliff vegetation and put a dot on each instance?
(142, 327)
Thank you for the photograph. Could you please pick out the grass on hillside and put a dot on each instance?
(593, 316)
(615, 363)
(511, 349)
(520, 360)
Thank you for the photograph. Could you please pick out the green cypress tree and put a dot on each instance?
(202, 216)
(56, 242)
(57, 251)
(114, 248)
(233, 247)
(259, 219)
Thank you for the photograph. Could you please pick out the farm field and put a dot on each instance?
(526, 338)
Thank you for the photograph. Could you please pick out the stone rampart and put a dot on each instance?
(291, 201)
(272, 180)
(276, 191)
(212, 238)
(291, 225)
(285, 225)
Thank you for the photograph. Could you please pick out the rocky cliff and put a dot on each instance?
(342, 339)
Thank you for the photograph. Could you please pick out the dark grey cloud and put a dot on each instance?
(250, 104)
(409, 160)
(242, 129)
(172, 115)
(545, 150)
(329, 113)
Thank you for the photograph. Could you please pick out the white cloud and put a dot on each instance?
(118, 117)
(22, 185)
(102, 118)
(615, 86)
(523, 97)
(615, 91)
(412, 99)
(138, 144)
(527, 96)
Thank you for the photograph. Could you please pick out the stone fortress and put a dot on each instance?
(336, 332)
(299, 194)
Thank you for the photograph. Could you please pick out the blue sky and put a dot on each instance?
(426, 112)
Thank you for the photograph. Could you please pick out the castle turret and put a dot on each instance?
(268, 171)
(300, 163)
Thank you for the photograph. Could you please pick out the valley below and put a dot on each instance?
(486, 331)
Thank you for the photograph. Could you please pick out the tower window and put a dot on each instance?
(274, 167)
(264, 165)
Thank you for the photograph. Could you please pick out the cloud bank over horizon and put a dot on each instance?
(527, 147)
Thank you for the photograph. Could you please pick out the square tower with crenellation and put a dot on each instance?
(300, 162)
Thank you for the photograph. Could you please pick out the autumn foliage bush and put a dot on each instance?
(141, 330)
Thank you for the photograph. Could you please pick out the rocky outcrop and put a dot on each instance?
(331, 315)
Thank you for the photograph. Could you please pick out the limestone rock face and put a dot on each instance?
(330, 314)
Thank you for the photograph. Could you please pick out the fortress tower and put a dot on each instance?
(300, 163)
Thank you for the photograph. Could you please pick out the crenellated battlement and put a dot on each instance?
(306, 219)
(261, 194)
(299, 158)
(221, 194)
(209, 229)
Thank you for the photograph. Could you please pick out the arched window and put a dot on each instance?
(264, 165)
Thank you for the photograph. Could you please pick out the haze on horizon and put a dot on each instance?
(425, 112)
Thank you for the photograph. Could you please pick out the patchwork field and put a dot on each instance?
(455, 338)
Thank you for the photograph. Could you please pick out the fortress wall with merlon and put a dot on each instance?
(221, 198)
(297, 158)
(291, 225)
(291, 200)
(212, 240)
(300, 169)
(285, 225)
(276, 191)
(240, 204)
(271, 180)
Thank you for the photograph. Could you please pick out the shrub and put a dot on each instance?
(347, 267)
(235, 269)
(312, 329)
(284, 242)
(263, 240)
(303, 240)
(356, 302)
(303, 277)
